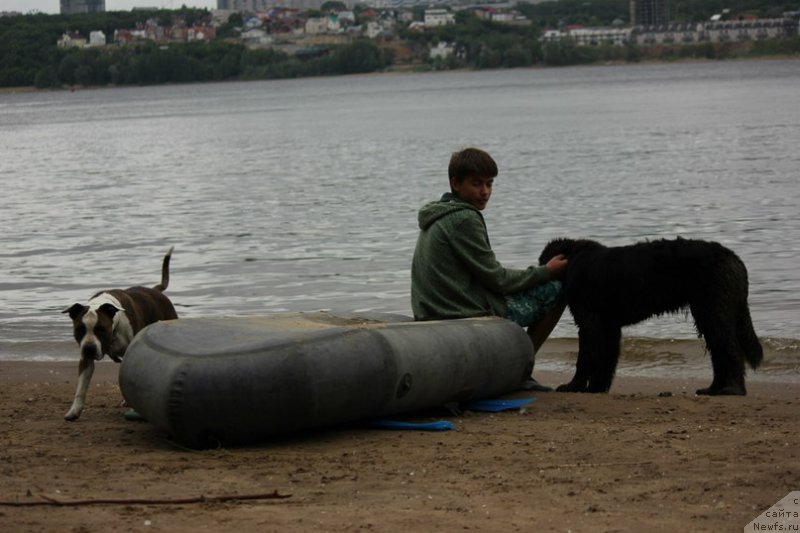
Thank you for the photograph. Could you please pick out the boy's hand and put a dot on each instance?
(557, 266)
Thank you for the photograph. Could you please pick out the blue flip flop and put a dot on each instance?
(133, 416)
(441, 425)
(495, 406)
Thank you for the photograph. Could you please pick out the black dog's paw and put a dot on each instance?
(570, 387)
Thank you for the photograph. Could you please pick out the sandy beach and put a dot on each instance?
(649, 456)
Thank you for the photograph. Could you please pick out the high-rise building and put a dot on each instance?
(649, 12)
(73, 7)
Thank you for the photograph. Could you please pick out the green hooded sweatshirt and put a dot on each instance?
(454, 273)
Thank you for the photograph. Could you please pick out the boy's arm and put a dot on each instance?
(472, 246)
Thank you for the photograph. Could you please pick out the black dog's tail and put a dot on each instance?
(165, 271)
(745, 333)
(753, 352)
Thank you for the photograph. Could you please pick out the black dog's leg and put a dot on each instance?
(728, 372)
(727, 357)
(604, 365)
(586, 345)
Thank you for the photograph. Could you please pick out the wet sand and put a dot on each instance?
(636, 459)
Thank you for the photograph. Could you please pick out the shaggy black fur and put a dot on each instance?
(610, 287)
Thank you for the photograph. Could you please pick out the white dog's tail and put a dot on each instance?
(165, 271)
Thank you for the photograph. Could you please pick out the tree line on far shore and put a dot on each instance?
(30, 56)
(150, 64)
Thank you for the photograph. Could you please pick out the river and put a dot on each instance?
(299, 195)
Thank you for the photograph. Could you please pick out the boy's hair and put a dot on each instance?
(471, 162)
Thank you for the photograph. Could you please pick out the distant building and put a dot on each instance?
(72, 40)
(97, 38)
(713, 31)
(598, 36)
(334, 26)
(346, 17)
(649, 12)
(151, 31)
(687, 33)
(252, 22)
(746, 30)
(256, 38)
(373, 29)
(590, 36)
(75, 7)
(442, 50)
(716, 31)
(319, 25)
(438, 17)
(316, 25)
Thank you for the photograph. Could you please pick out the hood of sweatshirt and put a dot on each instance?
(433, 211)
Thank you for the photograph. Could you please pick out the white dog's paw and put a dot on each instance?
(73, 414)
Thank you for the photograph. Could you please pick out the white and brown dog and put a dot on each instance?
(108, 323)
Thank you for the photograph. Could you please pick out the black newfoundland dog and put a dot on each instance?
(611, 287)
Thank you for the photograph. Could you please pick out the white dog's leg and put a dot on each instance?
(85, 371)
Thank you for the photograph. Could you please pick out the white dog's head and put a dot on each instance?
(93, 326)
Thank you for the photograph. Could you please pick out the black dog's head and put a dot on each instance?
(567, 248)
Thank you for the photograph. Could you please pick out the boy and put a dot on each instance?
(454, 273)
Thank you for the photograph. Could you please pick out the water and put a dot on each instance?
(302, 194)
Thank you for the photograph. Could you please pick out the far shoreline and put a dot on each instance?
(411, 69)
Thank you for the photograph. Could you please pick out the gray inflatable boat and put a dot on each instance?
(241, 379)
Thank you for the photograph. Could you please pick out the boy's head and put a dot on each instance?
(472, 172)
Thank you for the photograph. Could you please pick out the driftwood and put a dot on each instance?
(48, 500)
